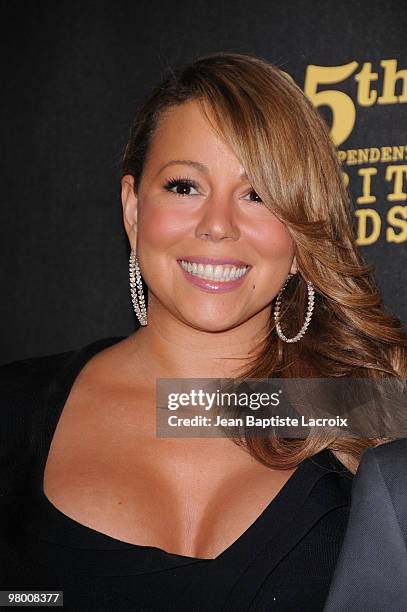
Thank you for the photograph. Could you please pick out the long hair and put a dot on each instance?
(287, 152)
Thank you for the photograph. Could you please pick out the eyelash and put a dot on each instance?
(186, 182)
(179, 181)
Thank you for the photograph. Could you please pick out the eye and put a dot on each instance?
(184, 185)
(259, 200)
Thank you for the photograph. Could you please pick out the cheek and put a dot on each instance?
(274, 250)
(158, 226)
(273, 242)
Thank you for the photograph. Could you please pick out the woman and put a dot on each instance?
(230, 185)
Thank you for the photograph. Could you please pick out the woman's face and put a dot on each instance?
(210, 252)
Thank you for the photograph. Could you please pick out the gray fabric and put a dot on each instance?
(371, 573)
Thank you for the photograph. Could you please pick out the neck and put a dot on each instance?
(179, 350)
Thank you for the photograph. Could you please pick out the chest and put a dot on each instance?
(107, 470)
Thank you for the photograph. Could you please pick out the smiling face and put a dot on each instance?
(194, 204)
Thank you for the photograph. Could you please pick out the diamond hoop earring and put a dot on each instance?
(277, 309)
(136, 288)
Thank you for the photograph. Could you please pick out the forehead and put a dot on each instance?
(188, 115)
(184, 132)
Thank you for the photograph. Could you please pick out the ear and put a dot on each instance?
(294, 266)
(129, 203)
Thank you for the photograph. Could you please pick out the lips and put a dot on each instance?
(213, 285)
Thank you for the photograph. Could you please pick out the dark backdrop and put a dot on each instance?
(73, 76)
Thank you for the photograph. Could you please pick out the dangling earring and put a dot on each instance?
(277, 309)
(136, 289)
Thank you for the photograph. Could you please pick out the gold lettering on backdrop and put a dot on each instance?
(375, 85)
(364, 78)
(342, 106)
(366, 197)
(393, 219)
(397, 173)
(364, 236)
(369, 221)
(372, 155)
(391, 76)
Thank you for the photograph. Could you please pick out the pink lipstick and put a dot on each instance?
(221, 284)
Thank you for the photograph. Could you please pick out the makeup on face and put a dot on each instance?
(217, 275)
(202, 227)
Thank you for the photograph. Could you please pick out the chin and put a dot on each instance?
(216, 323)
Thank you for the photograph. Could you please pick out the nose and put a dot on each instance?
(217, 220)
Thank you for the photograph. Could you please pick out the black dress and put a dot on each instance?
(284, 561)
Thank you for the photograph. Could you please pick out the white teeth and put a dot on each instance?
(218, 272)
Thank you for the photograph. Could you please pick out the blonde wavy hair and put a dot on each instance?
(285, 147)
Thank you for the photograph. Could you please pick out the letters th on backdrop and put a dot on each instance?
(378, 174)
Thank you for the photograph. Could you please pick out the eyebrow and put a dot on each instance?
(195, 164)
